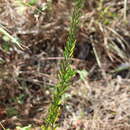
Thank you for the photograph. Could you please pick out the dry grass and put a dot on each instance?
(102, 100)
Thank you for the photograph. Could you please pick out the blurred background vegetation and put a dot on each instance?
(33, 34)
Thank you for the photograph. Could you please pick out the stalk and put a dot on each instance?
(66, 72)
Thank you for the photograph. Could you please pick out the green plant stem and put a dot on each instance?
(66, 72)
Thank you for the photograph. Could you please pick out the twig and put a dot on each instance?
(2, 126)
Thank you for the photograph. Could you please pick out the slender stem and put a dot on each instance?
(66, 72)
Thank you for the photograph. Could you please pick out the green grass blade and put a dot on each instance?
(14, 40)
